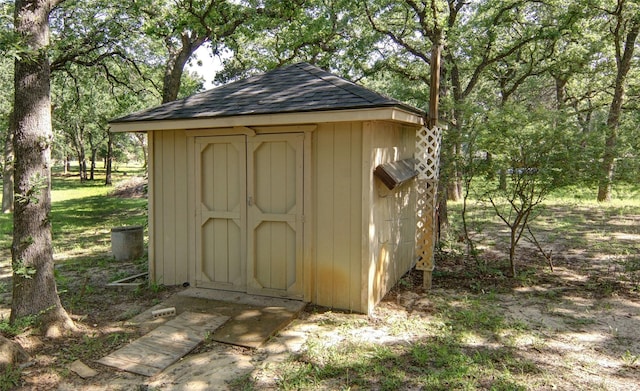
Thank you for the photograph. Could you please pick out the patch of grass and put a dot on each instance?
(584, 236)
(10, 378)
(243, 383)
(116, 339)
(441, 358)
(20, 325)
(87, 348)
(83, 213)
(578, 322)
(471, 314)
(86, 226)
(630, 360)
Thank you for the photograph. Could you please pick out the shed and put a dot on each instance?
(266, 186)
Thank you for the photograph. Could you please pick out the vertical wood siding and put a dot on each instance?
(390, 244)
(361, 240)
(170, 227)
(337, 200)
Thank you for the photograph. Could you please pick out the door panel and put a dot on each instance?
(249, 195)
(221, 212)
(275, 214)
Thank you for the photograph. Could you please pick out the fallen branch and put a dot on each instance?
(548, 256)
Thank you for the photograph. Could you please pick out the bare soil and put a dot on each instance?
(582, 320)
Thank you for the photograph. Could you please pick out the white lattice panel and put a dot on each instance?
(428, 161)
(428, 153)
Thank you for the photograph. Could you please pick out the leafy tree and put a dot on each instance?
(88, 37)
(84, 101)
(186, 25)
(333, 35)
(481, 40)
(623, 22)
(100, 34)
(532, 152)
(588, 76)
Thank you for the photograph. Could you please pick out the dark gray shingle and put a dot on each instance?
(294, 88)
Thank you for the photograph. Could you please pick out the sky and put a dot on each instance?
(210, 65)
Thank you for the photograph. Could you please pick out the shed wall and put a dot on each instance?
(337, 207)
(360, 239)
(390, 215)
(170, 220)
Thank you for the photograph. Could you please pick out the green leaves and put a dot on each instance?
(20, 269)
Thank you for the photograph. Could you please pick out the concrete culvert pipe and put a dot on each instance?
(127, 243)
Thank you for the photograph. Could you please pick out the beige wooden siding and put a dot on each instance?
(390, 245)
(337, 200)
(170, 232)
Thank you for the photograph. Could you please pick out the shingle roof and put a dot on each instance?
(294, 88)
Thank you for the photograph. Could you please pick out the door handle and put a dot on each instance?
(249, 201)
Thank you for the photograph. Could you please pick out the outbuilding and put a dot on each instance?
(274, 185)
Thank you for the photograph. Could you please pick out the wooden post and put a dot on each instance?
(434, 88)
(434, 100)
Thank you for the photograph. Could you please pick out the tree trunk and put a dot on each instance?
(442, 212)
(512, 251)
(7, 170)
(454, 182)
(623, 64)
(92, 169)
(142, 140)
(561, 84)
(82, 165)
(34, 285)
(92, 163)
(502, 179)
(109, 160)
(174, 67)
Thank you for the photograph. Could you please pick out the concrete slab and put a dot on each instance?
(253, 319)
(243, 298)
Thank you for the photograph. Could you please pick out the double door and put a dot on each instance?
(249, 213)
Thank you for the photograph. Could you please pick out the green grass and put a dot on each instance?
(442, 358)
(10, 378)
(83, 213)
(467, 343)
(571, 221)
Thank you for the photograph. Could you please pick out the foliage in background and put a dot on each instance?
(514, 72)
(332, 35)
(528, 161)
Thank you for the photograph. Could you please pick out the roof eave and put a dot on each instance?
(394, 114)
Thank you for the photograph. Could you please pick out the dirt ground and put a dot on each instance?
(581, 321)
(580, 337)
